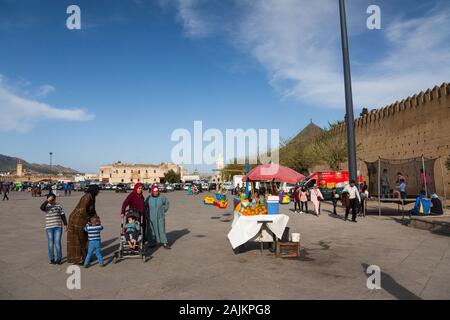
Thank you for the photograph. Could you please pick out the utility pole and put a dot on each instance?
(349, 118)
(51, 154)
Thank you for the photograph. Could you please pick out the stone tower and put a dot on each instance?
(219, 162)
(219, 168)
(19, 169)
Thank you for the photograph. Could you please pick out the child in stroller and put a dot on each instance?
(132, 240)
(132, 232)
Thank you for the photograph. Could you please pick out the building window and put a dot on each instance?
(131, 179)
(154, 171)
(122, 180)
(146, 171)
(102, 171)
(131, 171)
(139, 180)
(124, 171)
(139, 171)
(110, 175)
(154, 179)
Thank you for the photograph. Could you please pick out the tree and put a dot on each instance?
(293, 155)
(172, 177)
(330, 147)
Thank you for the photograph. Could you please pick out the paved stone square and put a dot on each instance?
(415, 263)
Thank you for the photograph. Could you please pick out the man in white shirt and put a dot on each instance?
(355, 199)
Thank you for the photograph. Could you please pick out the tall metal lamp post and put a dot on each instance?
(349, 118)
(51, 154)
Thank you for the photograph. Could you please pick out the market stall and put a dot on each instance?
(261, 221)
(261, 228)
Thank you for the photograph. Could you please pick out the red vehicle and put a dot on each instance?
(328, 180)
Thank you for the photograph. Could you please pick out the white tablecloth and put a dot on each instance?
(244, 228)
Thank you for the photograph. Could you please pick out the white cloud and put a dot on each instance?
(21, 114)
(298, 43)
(44, 90)
(189, 14)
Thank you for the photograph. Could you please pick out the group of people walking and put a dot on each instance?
(352, 199)
(83, 226)
(301, 195)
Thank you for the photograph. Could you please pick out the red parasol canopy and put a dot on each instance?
(267, 172)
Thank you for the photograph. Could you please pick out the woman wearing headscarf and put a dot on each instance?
(156, 206)
(135, 204)
(436, 204)
(316, 197)
(76, 236)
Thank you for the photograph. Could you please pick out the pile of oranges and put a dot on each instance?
(254, 211)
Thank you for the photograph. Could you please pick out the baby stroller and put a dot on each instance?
(125, 252)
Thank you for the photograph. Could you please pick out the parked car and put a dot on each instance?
(162, 188)
(227, 185)
(121, 187)
(177, 186)
(170, 187)
(186, 186)
(212, 186)
(108, 186)
(81, 186)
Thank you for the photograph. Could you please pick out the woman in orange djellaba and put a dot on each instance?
(77, 240)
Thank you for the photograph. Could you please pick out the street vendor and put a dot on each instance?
(274, 189)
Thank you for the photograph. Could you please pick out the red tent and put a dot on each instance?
(267, 172)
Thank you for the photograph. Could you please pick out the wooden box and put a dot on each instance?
(287, 249)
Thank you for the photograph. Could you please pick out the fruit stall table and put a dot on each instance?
(259, 228)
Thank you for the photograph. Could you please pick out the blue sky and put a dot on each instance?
(138, 70)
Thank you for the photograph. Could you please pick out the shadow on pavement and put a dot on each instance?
(174, 235)
(393, 287)
(440, 233)
(251, 246)
(110, 250)
(386, 212)
(304, 255)
(336, 216)
(108, 242)
(437, 230)
(404, 222)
